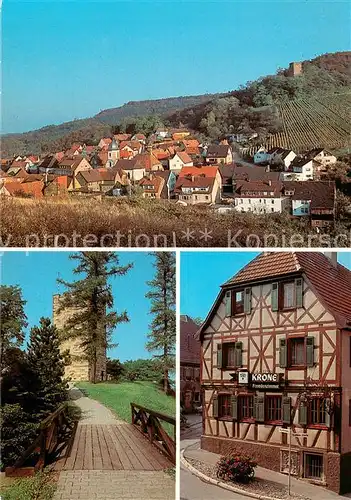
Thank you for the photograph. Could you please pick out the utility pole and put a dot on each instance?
(290, 433)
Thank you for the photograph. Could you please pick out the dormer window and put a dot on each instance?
(287, 295)
(238, 301)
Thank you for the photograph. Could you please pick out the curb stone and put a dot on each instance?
(225, 486)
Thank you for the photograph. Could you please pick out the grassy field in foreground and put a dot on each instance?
(42, 486)
(118, 396)
(113, 222)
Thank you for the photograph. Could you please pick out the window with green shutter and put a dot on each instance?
(275, 297)
(228, 304)
(302, 413)
(219, 356)
(234, 405)
(286, 410)
(215, 406)
(247, 300)
(238, 354)
(259, 407)
(283, 353)
(299, 292)
(310, 351)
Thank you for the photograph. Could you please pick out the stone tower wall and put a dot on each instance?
(78, 370)
(295, 69)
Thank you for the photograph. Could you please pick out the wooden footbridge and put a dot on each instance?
(143, 445)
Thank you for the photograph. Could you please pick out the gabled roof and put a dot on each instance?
(184, 157)
(207, 171)
(218, 151)
(189, 345)
(34, 189)
(97, 175)
(260, 187)
(243, 172)
(332, 284)
(321, 193)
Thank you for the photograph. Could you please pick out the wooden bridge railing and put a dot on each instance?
(149, 423)
(55, 432)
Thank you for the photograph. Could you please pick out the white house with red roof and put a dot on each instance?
(180, 159)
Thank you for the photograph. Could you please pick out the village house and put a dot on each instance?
(220, 153)
(139, 137)
(122, 137)
(96, 180)
(152, 186)
(180, 159)
(276, 354)
(261, 157)
(199, 185)
(234, 173)
(259, 197)
(104, 142)
(321, 156)
(32, 189)
(129, 149)
(301, 169)
(313, 200)
(135, 171)
(281, 157)
(190, 387)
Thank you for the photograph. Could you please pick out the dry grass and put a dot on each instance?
(92, 222)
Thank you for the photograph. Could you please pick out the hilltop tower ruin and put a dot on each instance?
(79, 369)
(295, 69)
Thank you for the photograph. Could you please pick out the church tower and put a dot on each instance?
(79, 368)
(113, 153)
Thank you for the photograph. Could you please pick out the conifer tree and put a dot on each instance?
(91, 299)
(162, 336)
(46, 361)
(12, 319)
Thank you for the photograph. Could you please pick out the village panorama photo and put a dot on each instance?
(146, 124)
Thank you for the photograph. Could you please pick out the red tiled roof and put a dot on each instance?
(332, 284)
(208, 171)
(189, 345)
(259, 187)
(32, 188)
(194, 182)
(156, 183)
(184, 157)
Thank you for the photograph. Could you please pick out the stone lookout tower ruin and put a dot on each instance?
(79, 368)
(295, 69)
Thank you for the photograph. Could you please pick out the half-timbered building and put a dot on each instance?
(190, 388)
(276, 354)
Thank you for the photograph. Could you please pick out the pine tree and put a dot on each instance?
(91, 300)
(12, 319)
(46, 361)
(162, 336)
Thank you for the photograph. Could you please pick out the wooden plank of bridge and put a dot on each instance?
(156, 460)
(88, 456)
(97, 460)
(128, 458)
(112, 447)
(69, 463)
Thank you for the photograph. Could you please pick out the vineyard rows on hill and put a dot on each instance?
(315, 122)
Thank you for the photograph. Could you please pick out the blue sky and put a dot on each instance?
(199, 289)
(66, 60)
(36, 274)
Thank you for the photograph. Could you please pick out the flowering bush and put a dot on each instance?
(238, 468)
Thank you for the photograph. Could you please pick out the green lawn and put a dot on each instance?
(118, 397)
(42, 486)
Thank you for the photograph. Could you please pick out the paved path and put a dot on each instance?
(111, 460)
(193, 450)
